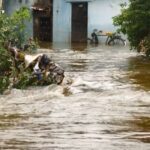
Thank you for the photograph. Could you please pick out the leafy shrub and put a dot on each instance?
(12, 28)
(134, 21)
(144, 46)
(4, 83)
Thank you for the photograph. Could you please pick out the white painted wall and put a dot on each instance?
(61, 21)
(100, 13)
(0, 4)
(13, 5)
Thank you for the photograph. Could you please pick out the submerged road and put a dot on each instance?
(103, 104)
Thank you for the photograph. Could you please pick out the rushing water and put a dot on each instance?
(103, 104)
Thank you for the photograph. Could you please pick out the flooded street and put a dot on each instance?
(103, 104)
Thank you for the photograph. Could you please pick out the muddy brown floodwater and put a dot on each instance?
(103, 104)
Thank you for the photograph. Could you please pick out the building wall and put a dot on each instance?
(12, 5)
(100, 13)
(0, 4)
(61, 17)
(61, 21)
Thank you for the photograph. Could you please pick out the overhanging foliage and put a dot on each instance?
(134, 21)
(11, 28)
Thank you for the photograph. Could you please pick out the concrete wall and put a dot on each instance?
(12, 5)
(100, 13)
(61, 21)
(0, 4)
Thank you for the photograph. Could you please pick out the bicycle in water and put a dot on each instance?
(112, 38)
(115, 39)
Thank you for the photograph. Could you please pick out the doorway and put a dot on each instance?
(42, 20)
(79, 22)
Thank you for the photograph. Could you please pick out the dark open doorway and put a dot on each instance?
(42, 20)
(79, 22)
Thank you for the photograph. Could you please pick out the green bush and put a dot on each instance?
(4, 83)
(134, 21)
(144, 46)
(12, 28)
